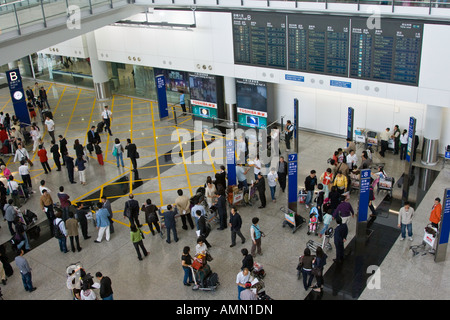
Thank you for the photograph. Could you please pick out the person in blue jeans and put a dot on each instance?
(405, 216)
(310, 185)
(118, 152)
(25, 270)
(169, 221)
(59, 223)
(186, 262)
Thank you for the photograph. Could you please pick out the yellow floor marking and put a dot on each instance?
(156, 151)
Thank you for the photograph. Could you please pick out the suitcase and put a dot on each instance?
(203, 273)
(212, 280)
(100, 126)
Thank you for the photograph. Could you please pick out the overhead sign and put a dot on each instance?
(162, 96)
(18, 97)
(292, 177)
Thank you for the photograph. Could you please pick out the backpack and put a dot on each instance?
(58, 233)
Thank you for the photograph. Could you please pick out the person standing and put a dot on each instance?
(344, 210)
(396, 137)
(21, 153)
(136, 239)
(151, 216)
(306, 262)
(241, 176)
(436, 211)
(221, 178)
(326, 179)
(106, 291)
(24, 172)
(131, 210)
(42, 154)
(79, 163)
(310, 185)
(403, 144)
(288, 133)
(256, 166)
(46, 203)
(282, 173)
(13, 188)
(102, 223)
(36, 136)
(261, 187)
(10, 215)
(82, 211)
(69, 166)
(50, 127)
(43, 97)
(183, 206)
(340, 236)
(169, 220)
(60, 231)
(405, 217)
(186, 263)
(235, 226)
(384, 141)
(118, 152)
(72, 232)
(25, 271)
(107, 206)
(54, 149)
(64, 202)
(93, 137)
(272, 178)
(203, 228)
(182, 102)
(256, 236)
(318, 264)
(98, 152)
(107, 117)
(222, 209)
(63, 148)
(132, 153)
(247, 293)
(30, 95)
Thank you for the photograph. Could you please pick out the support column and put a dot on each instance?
(229, 85)
(431, 135)
(99, 70)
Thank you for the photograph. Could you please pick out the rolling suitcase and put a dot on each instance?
(100, 126)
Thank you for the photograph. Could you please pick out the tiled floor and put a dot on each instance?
(159, 276)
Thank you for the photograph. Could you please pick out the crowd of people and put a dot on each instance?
(327, 199)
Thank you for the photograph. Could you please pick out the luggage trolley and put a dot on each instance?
(429, 240)
(386, 183)
(325, 245)
(292, 219)
(354, 180)
(205, 279)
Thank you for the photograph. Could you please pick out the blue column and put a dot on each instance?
(18, 96)
(444, 229)
(231, 162)
(162, 96)
(292, 180)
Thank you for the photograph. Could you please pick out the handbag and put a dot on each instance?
(137, 155)
(114, 153)
(317, 272)
(209, 257)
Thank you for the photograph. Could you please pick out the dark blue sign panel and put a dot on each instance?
(445, 218)
(411, 134)
(162, 96)
(350, 117)
(231, 162)
(364, 191)
(292, 77)
(340, 84)
(447, 154)
(292, 177)
(17, 96)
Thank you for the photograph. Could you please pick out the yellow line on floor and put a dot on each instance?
(184, 163)
(131, 137)
(156, 151)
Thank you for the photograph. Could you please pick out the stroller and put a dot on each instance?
(325, 245)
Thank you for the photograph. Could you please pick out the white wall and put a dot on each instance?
(75, 47)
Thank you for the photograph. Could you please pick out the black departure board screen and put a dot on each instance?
(318, 44)
(330, 45)
(389, 54)
(260, 39)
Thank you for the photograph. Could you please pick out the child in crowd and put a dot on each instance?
(313, 220)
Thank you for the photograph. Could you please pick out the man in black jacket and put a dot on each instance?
(106, 292)
(235, 226)
(54, 149)
(43, 97)
(69, 166)
(261, 187)
(203, 227)
(282, 173)
(93, 137)
(63, 147)
(132, 153)
(81, 212)
(221, 178)
(131, 211)
(310, 185)
(340, 236)
(169, 221)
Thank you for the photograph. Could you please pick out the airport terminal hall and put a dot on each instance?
(199, 151)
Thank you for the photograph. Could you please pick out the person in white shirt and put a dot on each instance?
(405, 216)
(107, 117)
(256, 167)
(21, 153)
(14, 186)
(384, 141)
(241, 279)
(403, 144)
(24, 172)
(241, 150)
(50, 127)
(42, 187)
(272, 178)
(352, 160)
(36, 136)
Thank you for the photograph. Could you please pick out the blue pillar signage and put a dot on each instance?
(292, 177)
(350, 116)
(411, 136)
(162, 96)
(364, 191)
(17, 96)
(444, 229)
(231, 162)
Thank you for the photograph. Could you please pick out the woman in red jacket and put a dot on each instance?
(42, 153)
(435, 215)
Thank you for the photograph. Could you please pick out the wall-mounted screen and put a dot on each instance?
(175, 80)
(203, 92)
(251, 102)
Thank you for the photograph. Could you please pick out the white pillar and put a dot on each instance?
(229, 85)
(431, 134)
(99, 69)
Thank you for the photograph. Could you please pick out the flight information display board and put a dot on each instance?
(389, 54)
(318, 45)
(330, 45)
(260, 39)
